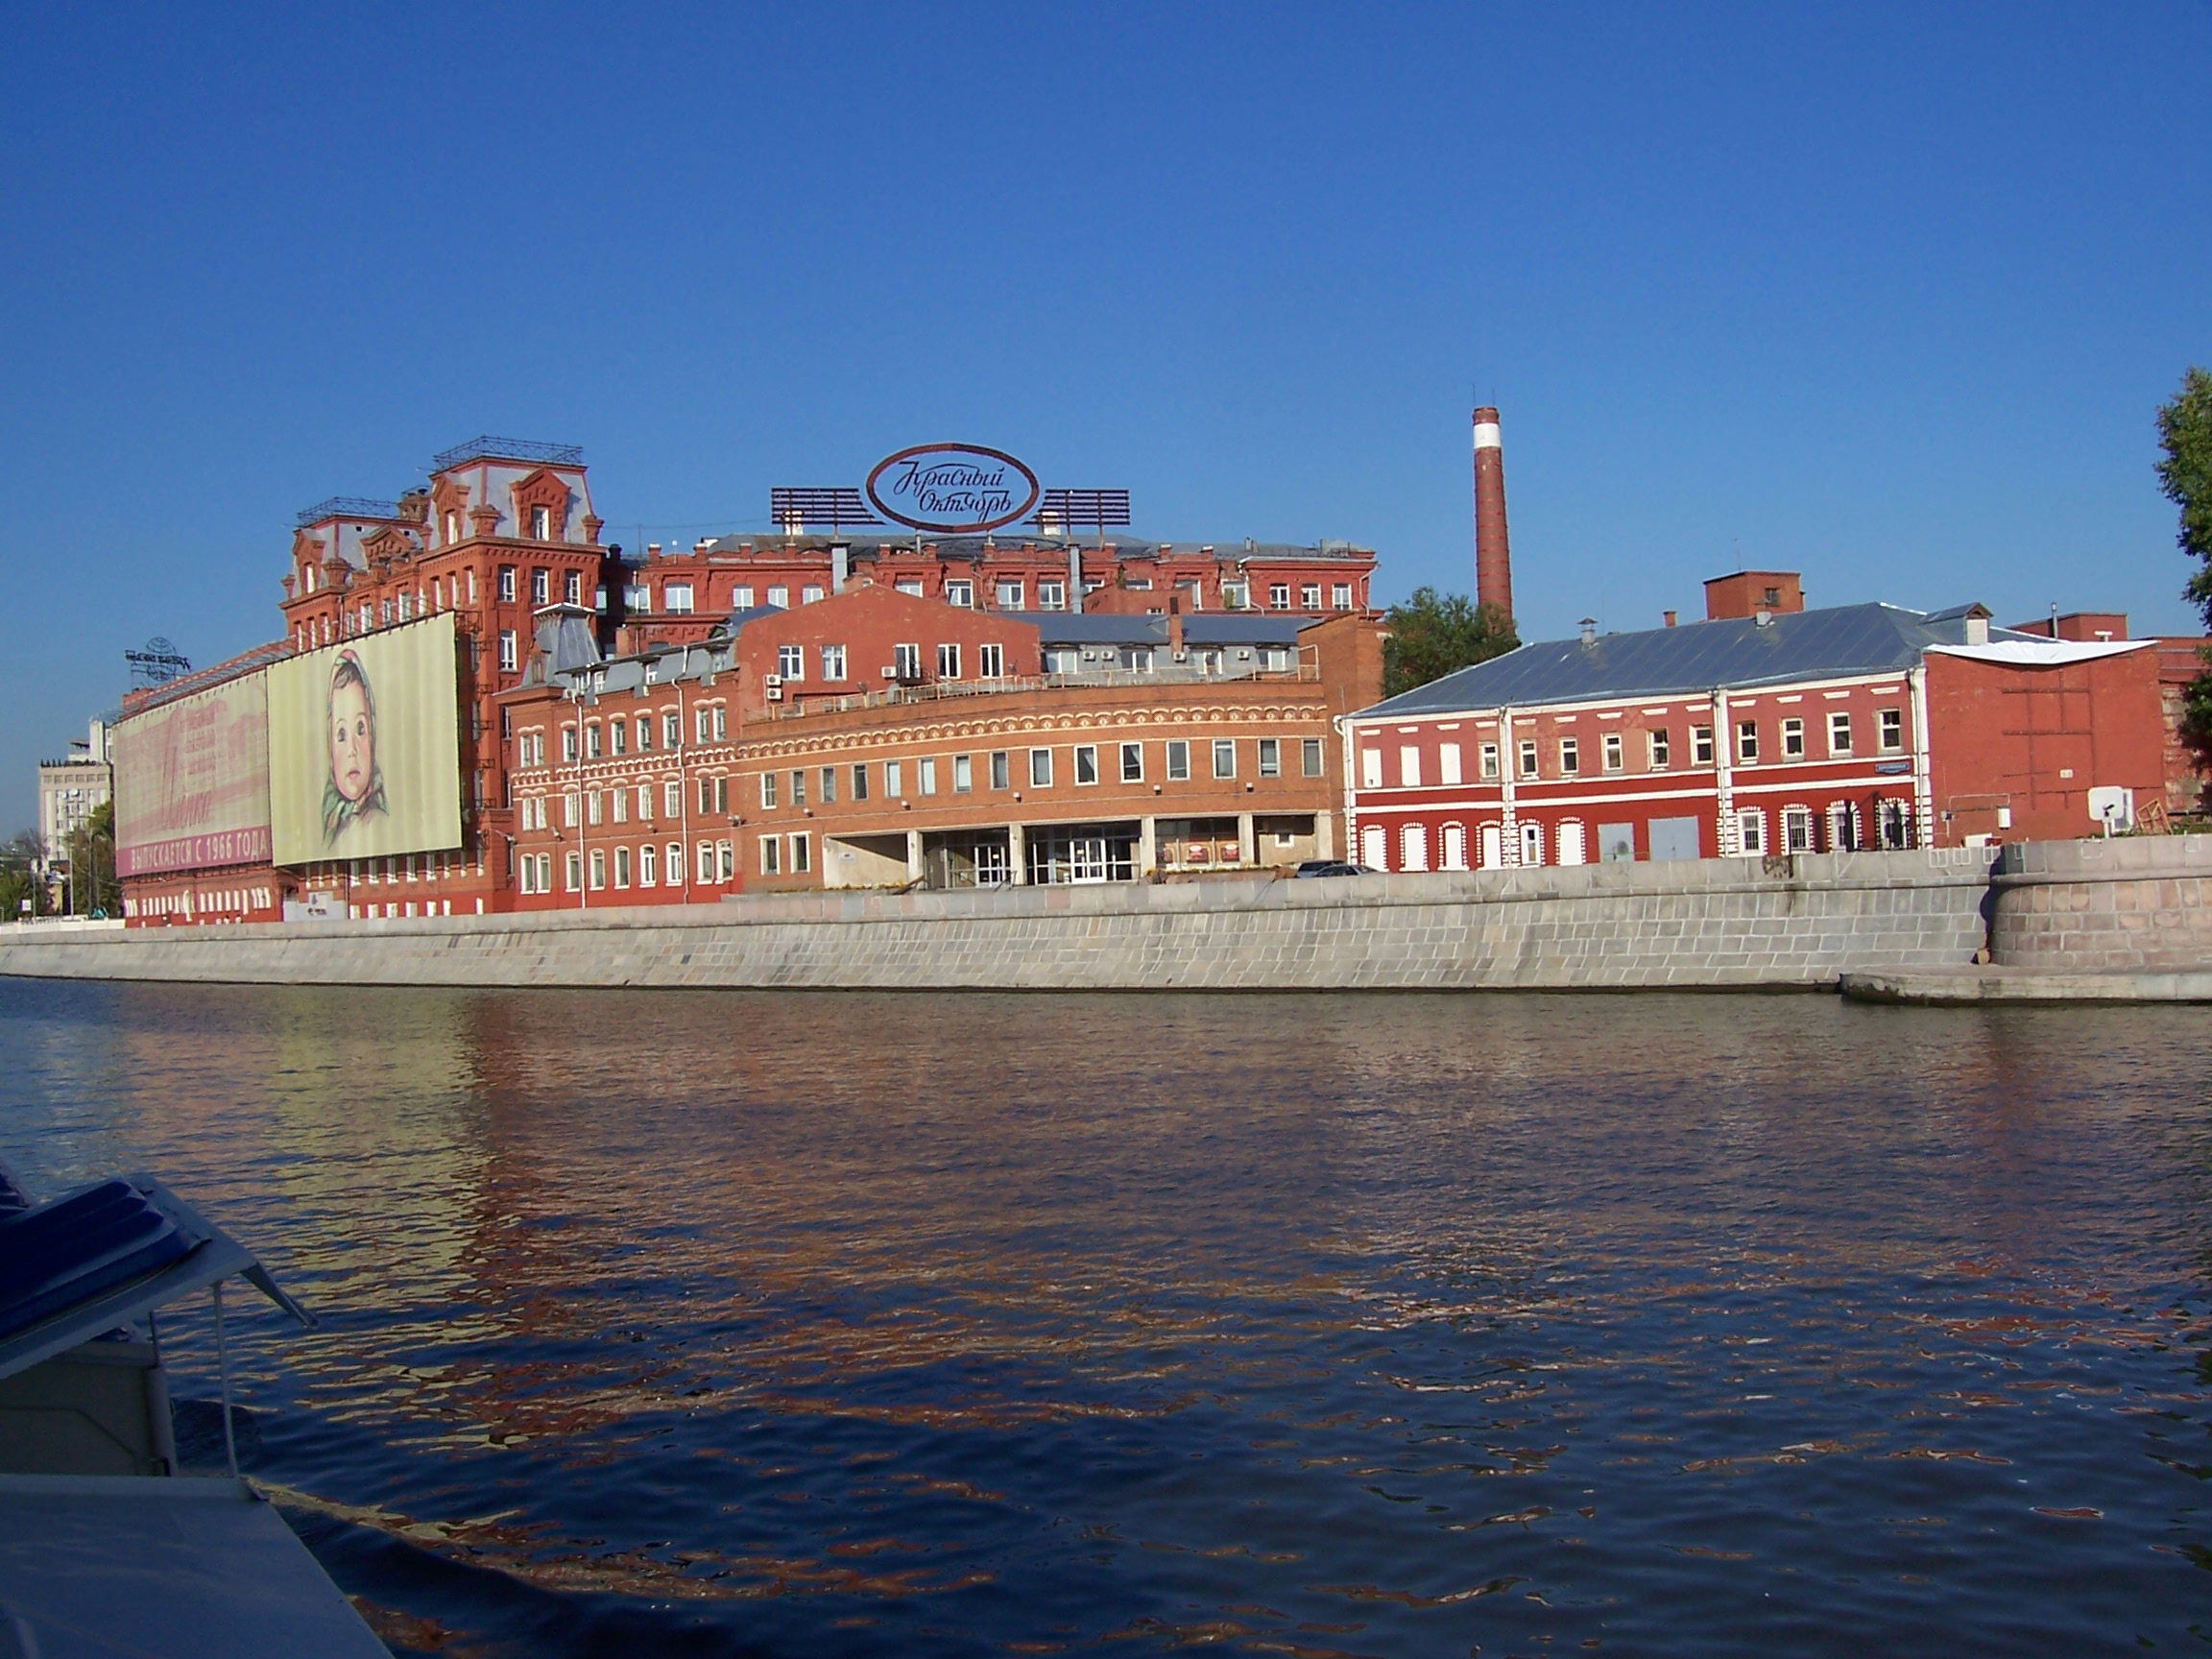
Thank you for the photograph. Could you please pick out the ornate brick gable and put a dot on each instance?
(546, 488)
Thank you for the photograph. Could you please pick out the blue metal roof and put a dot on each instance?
(1677, 662)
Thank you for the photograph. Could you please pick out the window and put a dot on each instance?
(894, 778)
(593, 737)
(1279, 597)
(1178, 759)
(672, 797)
(1061, 660)
(1609, 748)
(1700, 745)
(828, 785)
(676, 598)
(802, 855)
(910, 586)
(810, 594)
(1371, 768)
(1040, 768)
(648, 865)
(949, 661)
(1797, 828)
(540, 587)
(1310, 757)
(1838, 732)
(618, 735)
(961, 593)
(1053, 595)
(620, 799)
(1413, 847)
(1409, 766)
(1270, 757)
(644, 733)
(1132, 763)
(569, 743)
(671, 730)
(741, 597)
(592, 806)
(645, 802)
(1086, 762)
(963, 774)
(1236, 596)
(1569, 757)
(706, 863)
(1340, 599)
(598, 868)
(779, 597)
(1792, 739)
(771, 854)
(509, 651)
(1893, 729)
(571, 584)
(1310, 597)
(572, 872)
(791, 662)
(1746, 742)
(925, 774)
(675, 864)
(701, 723)
(540, 524)
(832, 661)
(768, 791)
(1657, 747)
(507, 584)
(1446, 762)
(1000, 779)
(636, 597)
(907, 661)
(621, 866)
(991, 662)
(798, 788)
(1486, 761)
(1008, 595)
(860, 782)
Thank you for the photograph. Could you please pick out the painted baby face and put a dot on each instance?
(352, 742)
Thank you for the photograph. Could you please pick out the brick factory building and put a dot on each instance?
(879, 739)
(503, 545)
(1766, 729)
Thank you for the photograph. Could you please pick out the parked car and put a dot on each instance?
(1313, 867)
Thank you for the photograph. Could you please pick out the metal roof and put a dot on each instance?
(1675, 662)
(1150, 627)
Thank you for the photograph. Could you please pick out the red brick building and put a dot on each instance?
(1766, 729)
(877, 738)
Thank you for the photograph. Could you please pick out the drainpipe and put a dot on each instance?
(1347, 740)
(1508, 763)
(1075, 575)
(1923, 789)
(1730, 837)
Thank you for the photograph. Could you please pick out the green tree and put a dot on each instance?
(1431, 633)
(91, 848)
(19, 878)
(2185, 434)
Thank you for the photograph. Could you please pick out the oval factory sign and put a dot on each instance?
(953, 488)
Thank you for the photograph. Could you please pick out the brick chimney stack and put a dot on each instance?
(1493, 558)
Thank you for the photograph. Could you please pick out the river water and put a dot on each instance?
(823, 1324)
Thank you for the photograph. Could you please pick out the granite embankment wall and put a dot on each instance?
(1787, 922)
(2135, 904)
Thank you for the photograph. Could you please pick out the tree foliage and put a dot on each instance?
(1431, 633)
(2185, 434)
(2186, 474)
(91, 850)
(20, 858)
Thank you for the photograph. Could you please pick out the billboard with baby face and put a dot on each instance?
(365, 746)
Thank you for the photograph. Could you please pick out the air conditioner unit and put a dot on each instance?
(775, 690)
(771, 680)
(889, 671)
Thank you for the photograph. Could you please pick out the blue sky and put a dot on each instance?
(1886, 294)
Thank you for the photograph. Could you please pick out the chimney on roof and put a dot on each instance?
(1670, 615)
(1493, 557)
(1589, 631)
(1175, 626)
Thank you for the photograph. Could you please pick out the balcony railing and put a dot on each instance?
(347, 507)
(509, 449)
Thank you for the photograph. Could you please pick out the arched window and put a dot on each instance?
(1572, 847)
(1493, 846)
(1531, 844)
(1454, 847)
(1413, 843)
(1374, 846)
